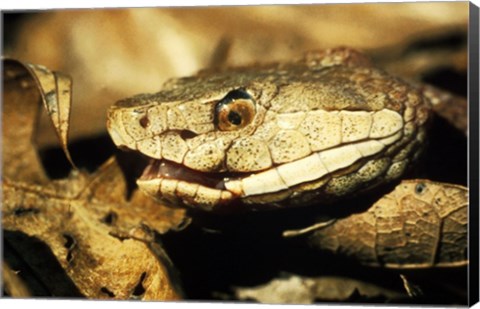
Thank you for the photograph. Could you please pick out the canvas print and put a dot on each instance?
(294, 154)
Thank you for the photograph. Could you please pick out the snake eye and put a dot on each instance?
(235, 111)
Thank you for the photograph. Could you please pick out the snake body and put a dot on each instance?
(313, 130)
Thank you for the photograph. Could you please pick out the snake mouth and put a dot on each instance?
(164, 169)
(175, 184)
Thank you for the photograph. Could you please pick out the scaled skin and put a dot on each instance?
(326, 126)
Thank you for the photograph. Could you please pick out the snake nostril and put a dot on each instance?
(144, 121)
(187, 134)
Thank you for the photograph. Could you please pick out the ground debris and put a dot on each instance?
(292, 289)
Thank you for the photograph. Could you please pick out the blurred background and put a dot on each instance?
(115, 53)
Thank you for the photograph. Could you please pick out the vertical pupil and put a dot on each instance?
(234, 118)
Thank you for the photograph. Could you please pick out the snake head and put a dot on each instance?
(272, 136)
(195, 139)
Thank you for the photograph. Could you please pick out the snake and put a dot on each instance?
(312, 130)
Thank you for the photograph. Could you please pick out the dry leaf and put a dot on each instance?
(420, 224)
(95, 261)
(55, 89)
(21, 99)
(25, 86)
